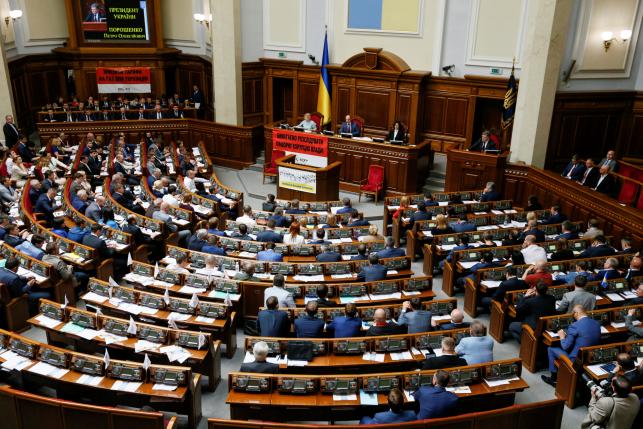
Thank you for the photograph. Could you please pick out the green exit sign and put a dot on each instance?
(496, 71)
(282, 55)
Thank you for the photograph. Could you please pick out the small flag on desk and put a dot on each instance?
(323, 96)
(166, 297)
(129, 259)
(146, 362)
(112, 282)
(131, 328)
(509, 105)
(194, 301)
(65, 304)
(106, 358)
(604, 281)
(228, 300)
(156, 270)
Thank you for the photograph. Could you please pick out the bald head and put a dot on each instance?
(541, 266)
(379, 316)
(457, 316)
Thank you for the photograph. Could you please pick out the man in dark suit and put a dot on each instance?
(490, 193)
(19, 285)
(269, 205)
(260, 351)
(199, 102)
(457, 321)
(591, 174)
(294, 208)
(610, 271)
(272, 322)
(320, 233)
(532, 229)
(381, 327)
(396, 414)
(269, 234)
(11, 133)
(308, 325)
(599, 247)
(361, 253)
(584, 332)
(281, 221)
(350, 127)
(322, 294)
(555, 216)
(390, 251)
(346, 326)
(356, 221)
(484, 143)
(135, 231)
(372, 272)
(35, 190)
(269, 254)
(127, 199)
(605, 182)
(347, 206)
(568, 231)
(609, 161)
(535, 304)
(95, 14)
(449, 358)
(25, 151)
(45, 205)
(420, 214)
(511, 283)
(94, 241)
(435, 401)
(198, 240)
(574, 169)
(328, 255)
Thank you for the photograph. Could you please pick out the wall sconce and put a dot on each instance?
(13, 15)
(203, 19)
(608, 38)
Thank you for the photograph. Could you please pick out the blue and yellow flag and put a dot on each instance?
(323, 97)
(509, 106)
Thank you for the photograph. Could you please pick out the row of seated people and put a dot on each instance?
(122, 114)
(590, 174)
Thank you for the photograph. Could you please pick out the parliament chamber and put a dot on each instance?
(289, 214)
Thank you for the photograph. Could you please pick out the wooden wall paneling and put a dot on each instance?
(373, 106)
(307, 97)
(455, 117)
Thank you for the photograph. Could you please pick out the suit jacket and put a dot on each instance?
(391, 252)
(359, 258)
(360, 222)
(612, 412)
(508, 285)
(269, 236)
(582, 333)
(389, 329)
(11, 135)
(435, 402)
(329, 257)
(612, 164)
(285, 298)
(444, 361)
(269, 255)
(273, 323)
(463, 227)
(94, 242)
(15, 283)
(416, 321)
(530, 309)
(578, 170)
(45, 205)
(575, 297)
(343, 326)
(94, 212)
(539, 234)
(92, 18)
(607, 275)
(557, 218)
(371, 273)
(591, 177)
(308, 327)
(353, 128)
(476, 349)
(562, 255)
(602, 250)
(389, 417)
(195, 243)
(7, 195)
(138, 236)
(451, 325)
(606, 185)
(261, 367)
(398, 135)
(213, 250)
(280, 221)
(490, 196)
(478, 146)
(568, 236)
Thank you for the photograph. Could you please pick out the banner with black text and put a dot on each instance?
(310, 149)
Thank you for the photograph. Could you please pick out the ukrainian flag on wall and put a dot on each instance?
(323, 97)
(384, 15)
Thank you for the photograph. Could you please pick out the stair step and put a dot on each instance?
(440, 174)
(429, 188)
(256, 167)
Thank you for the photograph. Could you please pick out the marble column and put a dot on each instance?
(226, 61)
(546, 33)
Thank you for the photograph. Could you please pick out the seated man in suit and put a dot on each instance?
(269, 234)
(605, 183)
(94, 241)
(535, 304)
(46, 205)
(272, 322)
(609, 271)
(277, 289)
(457, 321)
(414, 317)
(346, 326)
(599, 247)
(448, 359)
(269, 205)
(322, 294)
(489, 193)
(373, 271)
(396, 413)
(361, 253)
(280, 220)
(33, 248)
(390, 251)
(260, 351)
(320, 237)
(635, 330)
(356, 221)
(350, 127)
(568, 231)
(634, 270)
(578, 296)
(420, 214)
(381, 327)
(463, 244)
(584, 332)
(212, 246)
(80, 201)
(484, 143)
(307, 325)
(555, 216)
(269, 254)
(435, 401)
(294, 208)
(563, 252)
(609, 161)
(511, 283)
(19, 285)
(243, 233)
(532, 229)
(477, 348)
(626, 246)
(328, 255)
(35, 190)
(347, 208)
(591, 174)
(198, 240)
(485, 262)
(574, 169)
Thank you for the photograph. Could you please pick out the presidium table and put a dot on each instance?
(405, 167)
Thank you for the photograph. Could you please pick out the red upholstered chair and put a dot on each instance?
(374, 184)
(359, 121)
(318, 119)
(270, 168)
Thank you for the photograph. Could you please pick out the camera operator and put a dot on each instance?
(616, 411)
(626, 366)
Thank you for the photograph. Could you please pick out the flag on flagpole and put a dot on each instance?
(323, 96)
(509, 105)
(604, 282)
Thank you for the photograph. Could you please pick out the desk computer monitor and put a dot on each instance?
(301, 129)
(347, 135)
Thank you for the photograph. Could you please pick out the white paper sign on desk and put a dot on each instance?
(366, 398)
(351, 397)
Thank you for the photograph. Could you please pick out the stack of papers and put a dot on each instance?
(490, 283)
(47, 322)
(411, 292)
(394, 295)
(94, 297)
(126, 386)
(139, 279)
(144, 345)
(347, 299)
(204, 319)
(14, 361)
(467, 265)
(247, 255)
(111, 338)
(191, 290)
(552, 334)
(367, 398)
(614, 297)
(401, 356)
(317, 278)
(459, 389)
(178, 316)
(502, 382)
(342, 276)
(89, 380)
(296, 362)
(374, 357)
(597, 370)
(165, 387)
(160, 283)
(176, 353)
(351, 397)
(43, 368)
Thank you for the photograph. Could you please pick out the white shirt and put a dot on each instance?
(289, 239)
(246, 220)
(603, 176)
(308, 125)
(169, 198)
(533, 253)
(178, 269)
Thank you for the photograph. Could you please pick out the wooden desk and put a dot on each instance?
(405, 167)
(472, 170)
(326, 181)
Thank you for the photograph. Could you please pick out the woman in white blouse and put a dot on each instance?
(293, 236)
(19, 172)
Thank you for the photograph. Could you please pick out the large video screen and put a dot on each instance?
(115, 21)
